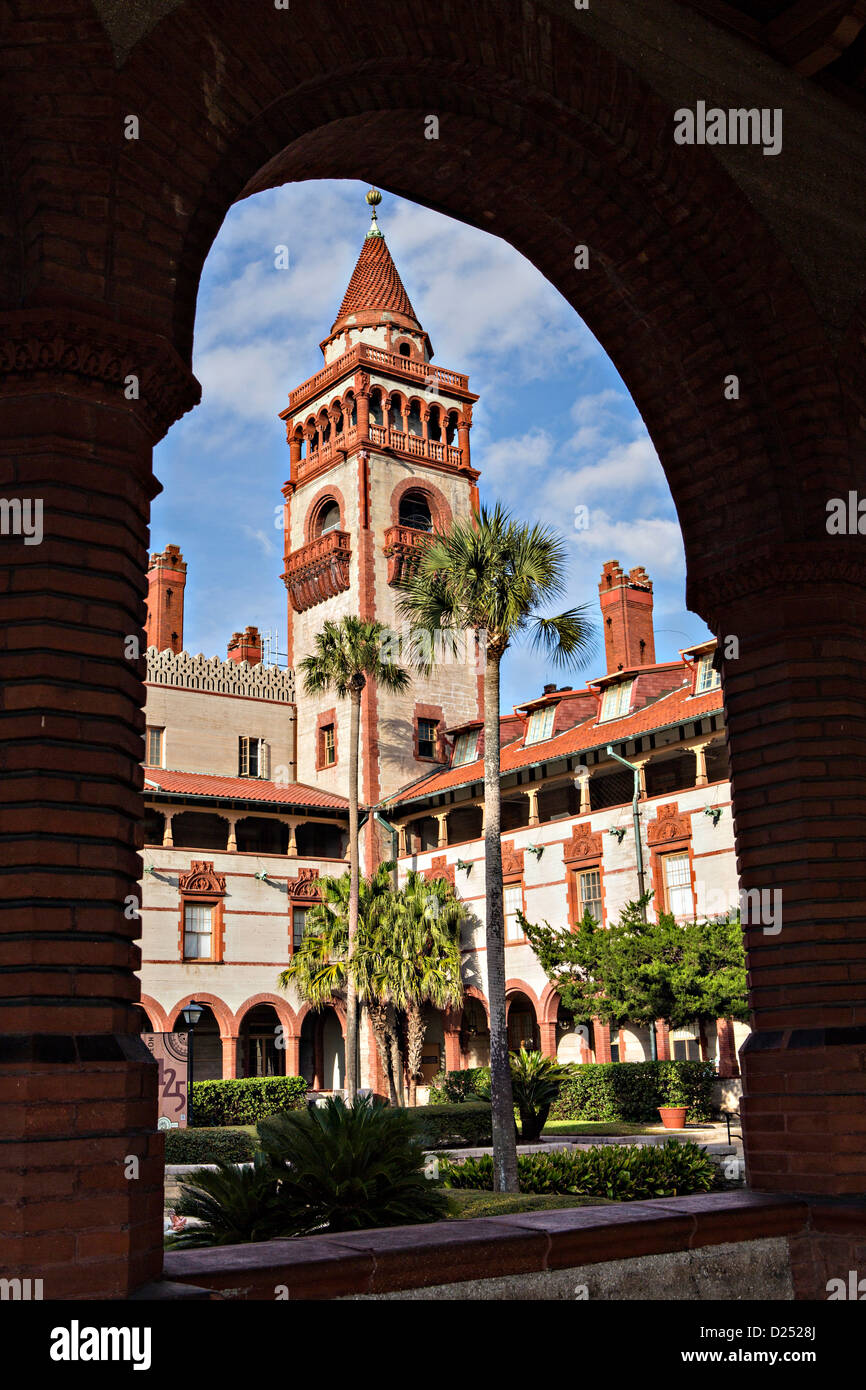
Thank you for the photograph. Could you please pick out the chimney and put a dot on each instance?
(549, 689)
(627, 617)
(166, 580)
(246, 646)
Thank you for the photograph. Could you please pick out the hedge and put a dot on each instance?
(209, 1145)
(453, 1087)
(633, 1091)
(444, 1126)
(630, 1091)
(620, 1172)
(247, 1100)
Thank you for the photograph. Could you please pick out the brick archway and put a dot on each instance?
(440, 510)
(226, 1021)
(156, 1013)
(697, 271)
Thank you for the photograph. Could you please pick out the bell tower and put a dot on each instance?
(379, 454)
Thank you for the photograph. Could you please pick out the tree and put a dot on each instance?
(415, 951)
(347, 654)
(485, 579)
(638, 972)
(319, 968)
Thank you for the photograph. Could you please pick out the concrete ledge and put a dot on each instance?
(450, 1252)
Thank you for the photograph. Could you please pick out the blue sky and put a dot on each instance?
(554, 428)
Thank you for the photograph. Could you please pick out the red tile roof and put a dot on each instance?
(240, 789)
(375, 284)
(675, 708)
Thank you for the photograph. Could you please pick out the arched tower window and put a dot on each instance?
(328, 517)
(434, 425)
(405, 350)
(414, 420)
(376, 407)
(415, 512)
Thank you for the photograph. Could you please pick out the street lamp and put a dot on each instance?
(190, 1015)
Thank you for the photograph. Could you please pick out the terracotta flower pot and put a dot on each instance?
(673, 1116)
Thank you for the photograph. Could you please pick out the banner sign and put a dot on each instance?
(171, 1052)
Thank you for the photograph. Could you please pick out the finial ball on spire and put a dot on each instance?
(374, 197)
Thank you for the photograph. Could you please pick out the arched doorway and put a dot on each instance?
(522, 1024)
(259, 1051)
(475, 1034)
(207, 1053)
(322, 1053)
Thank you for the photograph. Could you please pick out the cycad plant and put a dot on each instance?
(536, 1082)
(413, 957)
(492, 575)
(232, 1204)
(347, 655)
(347, 1167)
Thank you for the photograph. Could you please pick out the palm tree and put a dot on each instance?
(319, 967)
(416, 950)
(489, 575)
(347, 654)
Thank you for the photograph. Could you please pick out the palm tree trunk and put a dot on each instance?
(379, 1020)
(504, 1143)
(396, 1061)
(354, 894)
(415, 1031)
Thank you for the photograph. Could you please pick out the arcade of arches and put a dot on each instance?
(703, 263)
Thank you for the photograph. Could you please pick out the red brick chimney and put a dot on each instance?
(166, 580)
(246, 646)
(627, 616)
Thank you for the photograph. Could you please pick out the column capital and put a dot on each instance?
(110, 362)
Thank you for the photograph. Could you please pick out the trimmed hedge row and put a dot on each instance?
(633, 1091)
(245, 1100)
(630, 1091)
(209, 1145)
(442, 1126)
(621, 1172)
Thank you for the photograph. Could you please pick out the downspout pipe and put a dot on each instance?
(640, 869)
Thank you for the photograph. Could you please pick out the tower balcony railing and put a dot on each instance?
(318, 571)
(386, 438)
(364, 353)
(403, 546)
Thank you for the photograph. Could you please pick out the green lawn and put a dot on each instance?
(590, 1127)
(464, 1202)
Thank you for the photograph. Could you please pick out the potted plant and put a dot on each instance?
(673, 1113)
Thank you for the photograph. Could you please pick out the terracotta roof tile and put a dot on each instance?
(375, 284)
(673, 708)
(240, 788)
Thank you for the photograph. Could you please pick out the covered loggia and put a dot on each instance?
(736, 322)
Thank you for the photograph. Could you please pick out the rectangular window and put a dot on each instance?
(708, 677)
(464, 748)
(678, 885)
(252, 757)
(685, 1045)
(328, 748)
(540, 724)
(427, 731)
(589, 893)
(614, 1047)
(154, 747)
(299, 925)
(513, 903)
(616, 700)
(198, 931)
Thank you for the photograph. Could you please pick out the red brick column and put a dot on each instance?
(601, 1038)
(230, 1057)
(81, 1171)
(663, 1042)
(453, 1055)
(727, 1051)
(796, 722)
(547, 1035)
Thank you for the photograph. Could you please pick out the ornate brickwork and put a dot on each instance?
(201, 878)
(223, 677)
(305, 888)
(583, 844)
(512, 861)
(318, 571)
(669, 825)
(439, 869)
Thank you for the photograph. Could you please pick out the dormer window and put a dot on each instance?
(616, 700)
(708, 677)
(464, 748)
(540, 724)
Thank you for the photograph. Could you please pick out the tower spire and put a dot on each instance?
(374, 198)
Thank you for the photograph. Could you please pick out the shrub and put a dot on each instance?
(633, 1091)
(620, 1172)
(455, 1087)
(535, 1082)
(246, 1101)
(346, 1168)
(452, 1126)
(234, 1205)
(208, 1146)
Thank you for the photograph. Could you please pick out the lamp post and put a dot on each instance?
(190, 1015)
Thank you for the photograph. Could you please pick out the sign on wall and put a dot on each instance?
(171, 1052)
